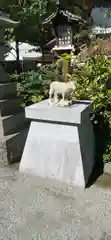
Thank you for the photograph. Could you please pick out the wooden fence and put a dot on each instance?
(26, 64)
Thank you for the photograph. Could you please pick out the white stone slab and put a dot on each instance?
(57, 150)
(74, 114)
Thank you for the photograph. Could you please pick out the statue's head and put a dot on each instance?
(73, 85)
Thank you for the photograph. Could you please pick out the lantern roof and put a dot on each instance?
(6, 22)
(60, 11)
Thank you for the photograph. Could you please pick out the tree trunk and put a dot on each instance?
(17, 56)
(43, 56)
(17, 51)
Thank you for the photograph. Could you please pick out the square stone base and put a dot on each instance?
(60, 151)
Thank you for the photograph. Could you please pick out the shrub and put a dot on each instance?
(34, 86)
(92, 81)
(99, 47)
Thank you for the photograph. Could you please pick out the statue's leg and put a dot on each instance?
(56, 100)
(63, 96)
(50, 97)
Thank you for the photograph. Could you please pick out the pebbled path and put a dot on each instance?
(33, 209)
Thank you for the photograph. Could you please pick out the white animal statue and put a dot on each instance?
(60, 88)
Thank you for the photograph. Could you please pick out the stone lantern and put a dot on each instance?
(13, 129)
(65, 24)
(5, 23)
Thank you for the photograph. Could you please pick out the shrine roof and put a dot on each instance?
(65, 13)
(6, 22)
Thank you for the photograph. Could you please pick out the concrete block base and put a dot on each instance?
(60, 150)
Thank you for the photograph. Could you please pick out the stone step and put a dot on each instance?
(107, 167)
(14, 123)
(8, 89)
(11, 147)
(10, 106)
(3, 74)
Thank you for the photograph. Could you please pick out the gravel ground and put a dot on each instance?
(33, 209)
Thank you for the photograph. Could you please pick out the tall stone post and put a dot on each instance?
(13, 129)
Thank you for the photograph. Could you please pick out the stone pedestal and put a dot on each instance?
(60, 143)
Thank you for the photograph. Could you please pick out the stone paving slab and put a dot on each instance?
(33, 209)
(107, 167)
